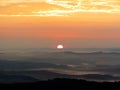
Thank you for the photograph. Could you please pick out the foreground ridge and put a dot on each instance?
(62, 83)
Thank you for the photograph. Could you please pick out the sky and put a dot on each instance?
(47, 23)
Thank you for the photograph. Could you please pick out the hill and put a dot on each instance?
(63, 84)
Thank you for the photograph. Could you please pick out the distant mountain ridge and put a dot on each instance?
(32, 76)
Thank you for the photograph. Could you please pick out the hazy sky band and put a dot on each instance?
(95, 25)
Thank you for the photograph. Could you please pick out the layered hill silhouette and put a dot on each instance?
(63, 84)
(34, 76)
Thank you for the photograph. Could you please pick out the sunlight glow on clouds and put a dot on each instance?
(57, 7)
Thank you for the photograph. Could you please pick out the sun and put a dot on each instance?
(60, 46)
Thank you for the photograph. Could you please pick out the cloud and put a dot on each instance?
(29, 8)
(8, 2)
(56, 8)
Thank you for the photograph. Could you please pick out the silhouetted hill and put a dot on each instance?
(5, 64)
(63, 84)
(32, 76)
(4, 78)
(100, 77)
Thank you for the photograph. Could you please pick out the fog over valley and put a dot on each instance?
(43, 65)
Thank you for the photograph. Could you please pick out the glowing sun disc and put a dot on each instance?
(60, 47)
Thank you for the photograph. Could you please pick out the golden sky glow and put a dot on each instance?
(73, 23)
(57, 7)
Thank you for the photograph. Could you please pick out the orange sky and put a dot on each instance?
(53, 23)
